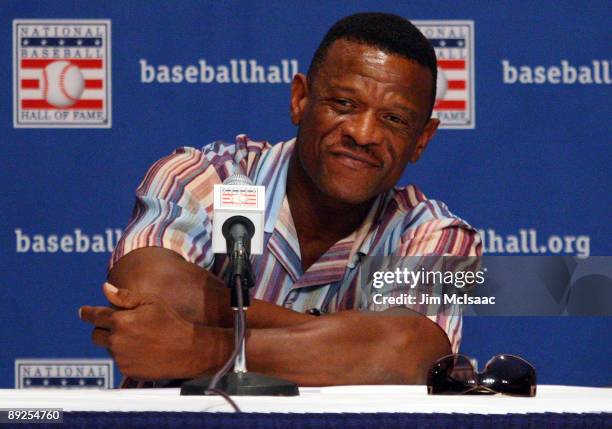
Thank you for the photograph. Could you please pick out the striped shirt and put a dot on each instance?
(174, 205)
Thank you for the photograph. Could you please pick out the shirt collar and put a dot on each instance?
(364, 235)
(344, 254)
(275, 180)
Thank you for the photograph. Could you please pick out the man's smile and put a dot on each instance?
(355, 160)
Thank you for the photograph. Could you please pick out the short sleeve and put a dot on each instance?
(447, 237)
(426, 246)
(172, 208)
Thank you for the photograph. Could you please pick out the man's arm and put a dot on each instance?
(149, 340)
(349, 347)
(195, 293)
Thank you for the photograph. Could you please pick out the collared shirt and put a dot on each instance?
(174, 205)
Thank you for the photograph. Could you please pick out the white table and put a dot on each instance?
(340, 399)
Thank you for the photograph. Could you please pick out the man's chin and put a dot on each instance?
(348, 193)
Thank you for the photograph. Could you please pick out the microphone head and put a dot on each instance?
(238, 180)
(238, 197)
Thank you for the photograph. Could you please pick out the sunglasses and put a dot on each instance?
(455, 375)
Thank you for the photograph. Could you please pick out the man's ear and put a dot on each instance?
(428, 132)
(299, 97)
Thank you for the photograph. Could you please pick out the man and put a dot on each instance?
(363, 113)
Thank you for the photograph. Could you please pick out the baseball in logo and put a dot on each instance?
(61, 74)
(453, 42)
(62, 84)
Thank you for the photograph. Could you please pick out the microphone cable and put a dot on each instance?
(241, 328)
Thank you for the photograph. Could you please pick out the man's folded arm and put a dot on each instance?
(195, 293)
(348, 347)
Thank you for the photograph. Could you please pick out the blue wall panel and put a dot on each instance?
(538, 158)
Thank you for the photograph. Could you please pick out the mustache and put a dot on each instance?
(369, 153)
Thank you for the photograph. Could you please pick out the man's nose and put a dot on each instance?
(363, 128)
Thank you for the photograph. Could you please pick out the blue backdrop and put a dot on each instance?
(537, 158)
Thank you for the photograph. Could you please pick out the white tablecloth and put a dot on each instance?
(360, 399)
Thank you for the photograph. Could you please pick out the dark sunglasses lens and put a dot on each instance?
(510, 375)
(451, 375)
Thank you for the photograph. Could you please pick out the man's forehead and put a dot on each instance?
(345, 58)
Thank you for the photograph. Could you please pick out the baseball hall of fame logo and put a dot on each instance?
(64, 373)
(61, 73)
(454, 45)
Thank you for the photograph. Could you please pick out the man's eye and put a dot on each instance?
(343, 102)
(395, 118)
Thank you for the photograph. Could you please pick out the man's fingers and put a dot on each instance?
(123, 298)
(98, 316)
(100, 337)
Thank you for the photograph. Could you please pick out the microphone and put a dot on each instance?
(238, 216)
(238, 224)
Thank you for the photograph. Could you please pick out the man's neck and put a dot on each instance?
(319, 220)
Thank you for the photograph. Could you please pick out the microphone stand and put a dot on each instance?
(239, 382)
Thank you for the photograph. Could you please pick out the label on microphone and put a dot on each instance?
(238, 196)
(238, 200)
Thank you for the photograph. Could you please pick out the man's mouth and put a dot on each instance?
(355, 160)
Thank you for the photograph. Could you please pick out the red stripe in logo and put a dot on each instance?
(35, 84)
(456, 84)
(40, 64)
(450, 105)
(94, 83)
(452, 64)
(42, 104)
(29, 84)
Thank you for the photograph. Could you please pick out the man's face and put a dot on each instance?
(361, 120)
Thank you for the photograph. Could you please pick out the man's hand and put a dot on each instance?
(146, 337)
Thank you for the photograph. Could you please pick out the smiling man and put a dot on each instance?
(363, 114)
